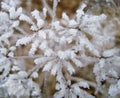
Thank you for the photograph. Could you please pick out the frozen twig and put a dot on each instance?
(50, 12)
(76, 79)
(24, 57)
(21, 30)
(92, 84)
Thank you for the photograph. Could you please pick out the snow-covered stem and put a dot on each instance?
(77, 79)
(34, 69)
(50, 12)
(92, 84)
(25, 57)
(45, 85)
(21, 31)
(55, 2)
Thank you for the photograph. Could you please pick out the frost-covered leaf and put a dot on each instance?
(44, 45)
(83, 84)
(22, 74)
(15, 24)
(70, 68)
(34, 75)
(3, 17)
(56, 25)
(36, 14)
(68, 91)
(114, 89)
(22, 88)
(68, 54)
(42, 34)
(81, 93)
(49, 52)
(45, 12)
(3, 51)
(5, 6)
(40, 23)
(33, 27)
(5, 37)
(85, 42)
(12, 48)
(62, 55)
(42, 60)
(73, 32)
(110, 52)
(11, 54)
(13, 13)
(77, 62)
(24, 40)
(49, 65)
(34, 47)
(63, 40)
(72, 23)
(80, 12)
(55, 69)
(5, 66)
(15, 68)
(25, 18)
(65, 17)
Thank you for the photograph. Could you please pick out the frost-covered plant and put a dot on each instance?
(8, 22)
(60, 47)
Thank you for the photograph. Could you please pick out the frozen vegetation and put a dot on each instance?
(34, 49)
